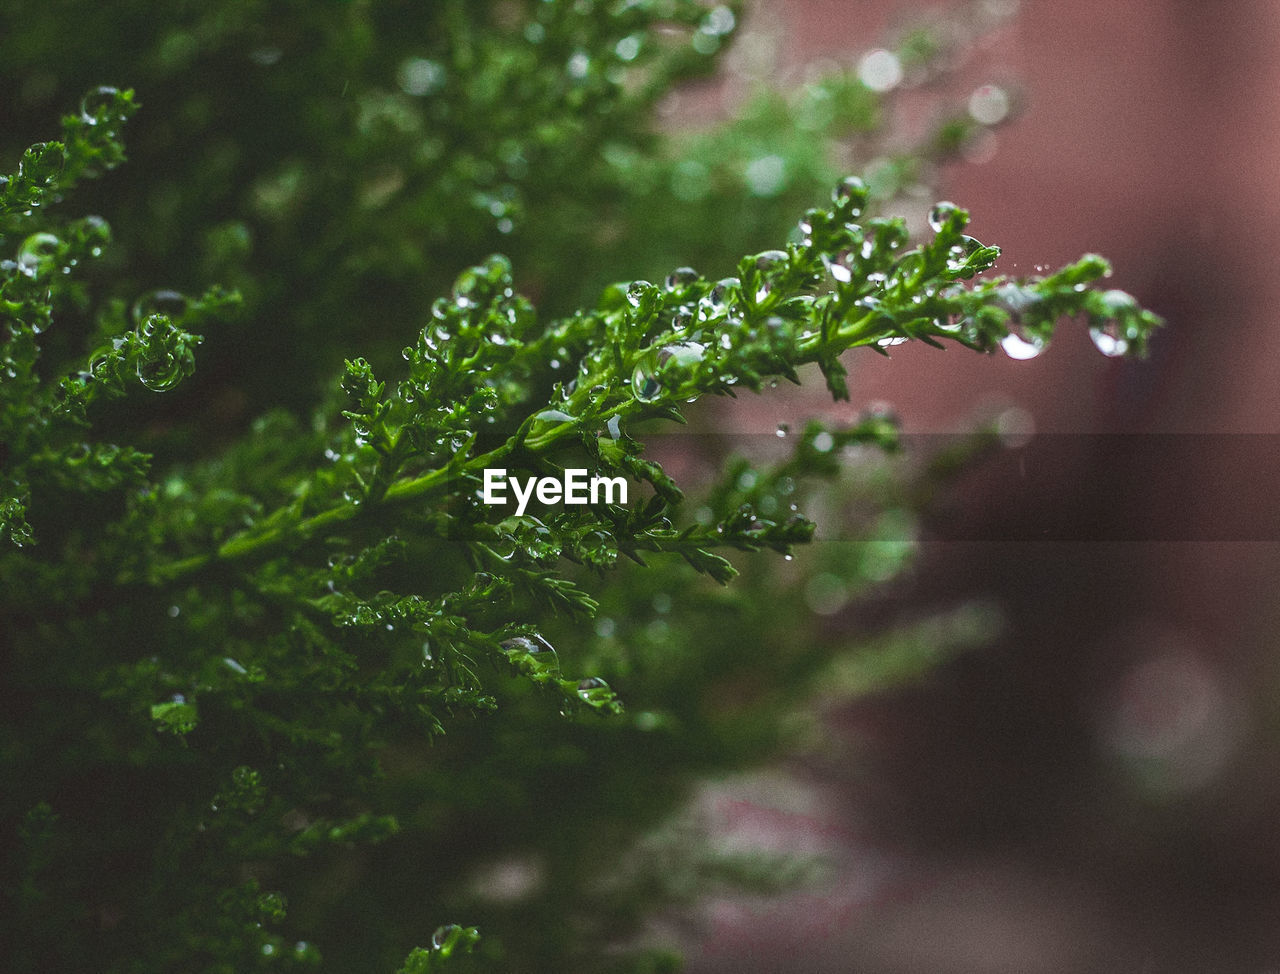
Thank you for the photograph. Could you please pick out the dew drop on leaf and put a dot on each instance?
(1108, 340)
(770, 260)
(532, 644)
(160, 374)
(41, 163)
(1107, 332)
(646, 384)
(720, 298)
(441, 936)
(95, 104)
(769, 264)
(852, 192)
(636, 291)
(939, 215)
(1017, 347)
(36, 254)
(594, 691)
(805, 227)
(161, 302)
(644, 380)
(1016, 301)
(839, 268)
(680, 277)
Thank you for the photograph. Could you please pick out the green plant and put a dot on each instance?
(310, 661)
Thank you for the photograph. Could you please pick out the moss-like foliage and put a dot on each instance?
(280, 690)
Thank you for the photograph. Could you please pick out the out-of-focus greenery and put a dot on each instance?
(279, 691)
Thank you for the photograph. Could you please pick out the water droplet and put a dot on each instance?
(1108, 339)
(172, 304)
(442, 934)
(636, 291)
(1107, 332)
(823, 442)
(41, 163)
(680, 277)
(719, 299)
(470, 287)
(1017, 300)
(851, 192)
(646, 383)
(840, 268)
(1017, 347)
(532, 644)
(162, 373)
(880, 70)
(95, 104)
(940, 214)
(594, 690)
(769, 264)
(771, 261)
(36, 254)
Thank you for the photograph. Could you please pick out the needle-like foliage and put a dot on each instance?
(294, 696)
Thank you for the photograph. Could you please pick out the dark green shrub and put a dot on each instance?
(279, 688)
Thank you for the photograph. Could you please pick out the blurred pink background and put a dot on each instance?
(1100, 790)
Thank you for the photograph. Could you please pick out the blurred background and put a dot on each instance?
(1096, 790)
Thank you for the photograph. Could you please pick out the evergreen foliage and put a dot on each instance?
(280, 691)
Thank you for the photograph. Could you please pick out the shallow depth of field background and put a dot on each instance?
(1098, 790)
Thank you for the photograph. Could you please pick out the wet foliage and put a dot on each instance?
(280, 690)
